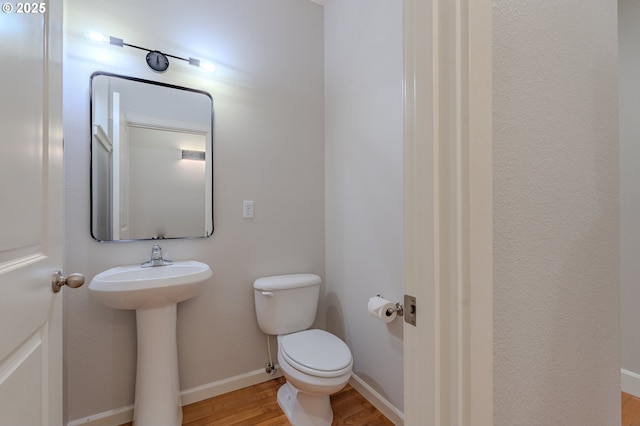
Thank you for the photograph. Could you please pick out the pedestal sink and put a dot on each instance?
(154, 293)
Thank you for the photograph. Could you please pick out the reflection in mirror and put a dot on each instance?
(151, 160)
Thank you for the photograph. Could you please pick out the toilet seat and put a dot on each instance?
(317, 353)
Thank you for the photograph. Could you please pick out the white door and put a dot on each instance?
(31, 221)
(448, 216)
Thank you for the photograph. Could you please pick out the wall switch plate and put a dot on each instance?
(247, 209)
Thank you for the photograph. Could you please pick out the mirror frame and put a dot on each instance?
(91, 154)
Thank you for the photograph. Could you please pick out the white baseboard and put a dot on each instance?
(210, 390)
(381, 403)
(125, 414)
(108, 418)
(630, 382)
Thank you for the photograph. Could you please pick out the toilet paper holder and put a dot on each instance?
(399, 309)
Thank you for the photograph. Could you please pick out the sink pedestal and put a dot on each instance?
(157, 398)
(154, 294)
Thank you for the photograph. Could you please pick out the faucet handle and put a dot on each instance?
(156, 258)
(156, 252)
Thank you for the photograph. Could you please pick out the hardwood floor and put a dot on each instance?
(257, 406)
(630, 410)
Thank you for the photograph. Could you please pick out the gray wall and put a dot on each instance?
(363, 178)
(268, 147)
(556, 204)
(629, 22)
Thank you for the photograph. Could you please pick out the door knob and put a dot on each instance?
(73, 281)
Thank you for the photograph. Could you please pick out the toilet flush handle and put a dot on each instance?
(267, 293)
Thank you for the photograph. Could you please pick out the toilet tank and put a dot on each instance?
(286, 303)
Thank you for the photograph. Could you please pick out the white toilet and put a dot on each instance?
(314, 362)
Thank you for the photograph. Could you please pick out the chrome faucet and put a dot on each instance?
(156, 258)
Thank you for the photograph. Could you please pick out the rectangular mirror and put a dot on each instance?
(151, 160)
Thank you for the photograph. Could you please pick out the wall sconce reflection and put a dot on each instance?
(192, 155)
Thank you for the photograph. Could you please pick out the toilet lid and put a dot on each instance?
(316, 352)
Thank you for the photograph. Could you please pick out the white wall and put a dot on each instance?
(363, 183)
(268, 147)
(629, 32)
(159, 178)
(556, 204)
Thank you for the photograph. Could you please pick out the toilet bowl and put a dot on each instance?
(314, 362)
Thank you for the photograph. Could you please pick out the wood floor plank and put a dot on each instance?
(257, 406)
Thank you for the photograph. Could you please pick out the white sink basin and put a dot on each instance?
(134, 287)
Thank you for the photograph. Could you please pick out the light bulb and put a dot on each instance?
(207, 66)
(97, 37)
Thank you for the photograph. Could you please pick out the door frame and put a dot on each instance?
(448, 225)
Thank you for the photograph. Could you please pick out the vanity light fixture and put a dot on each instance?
(157, 60)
